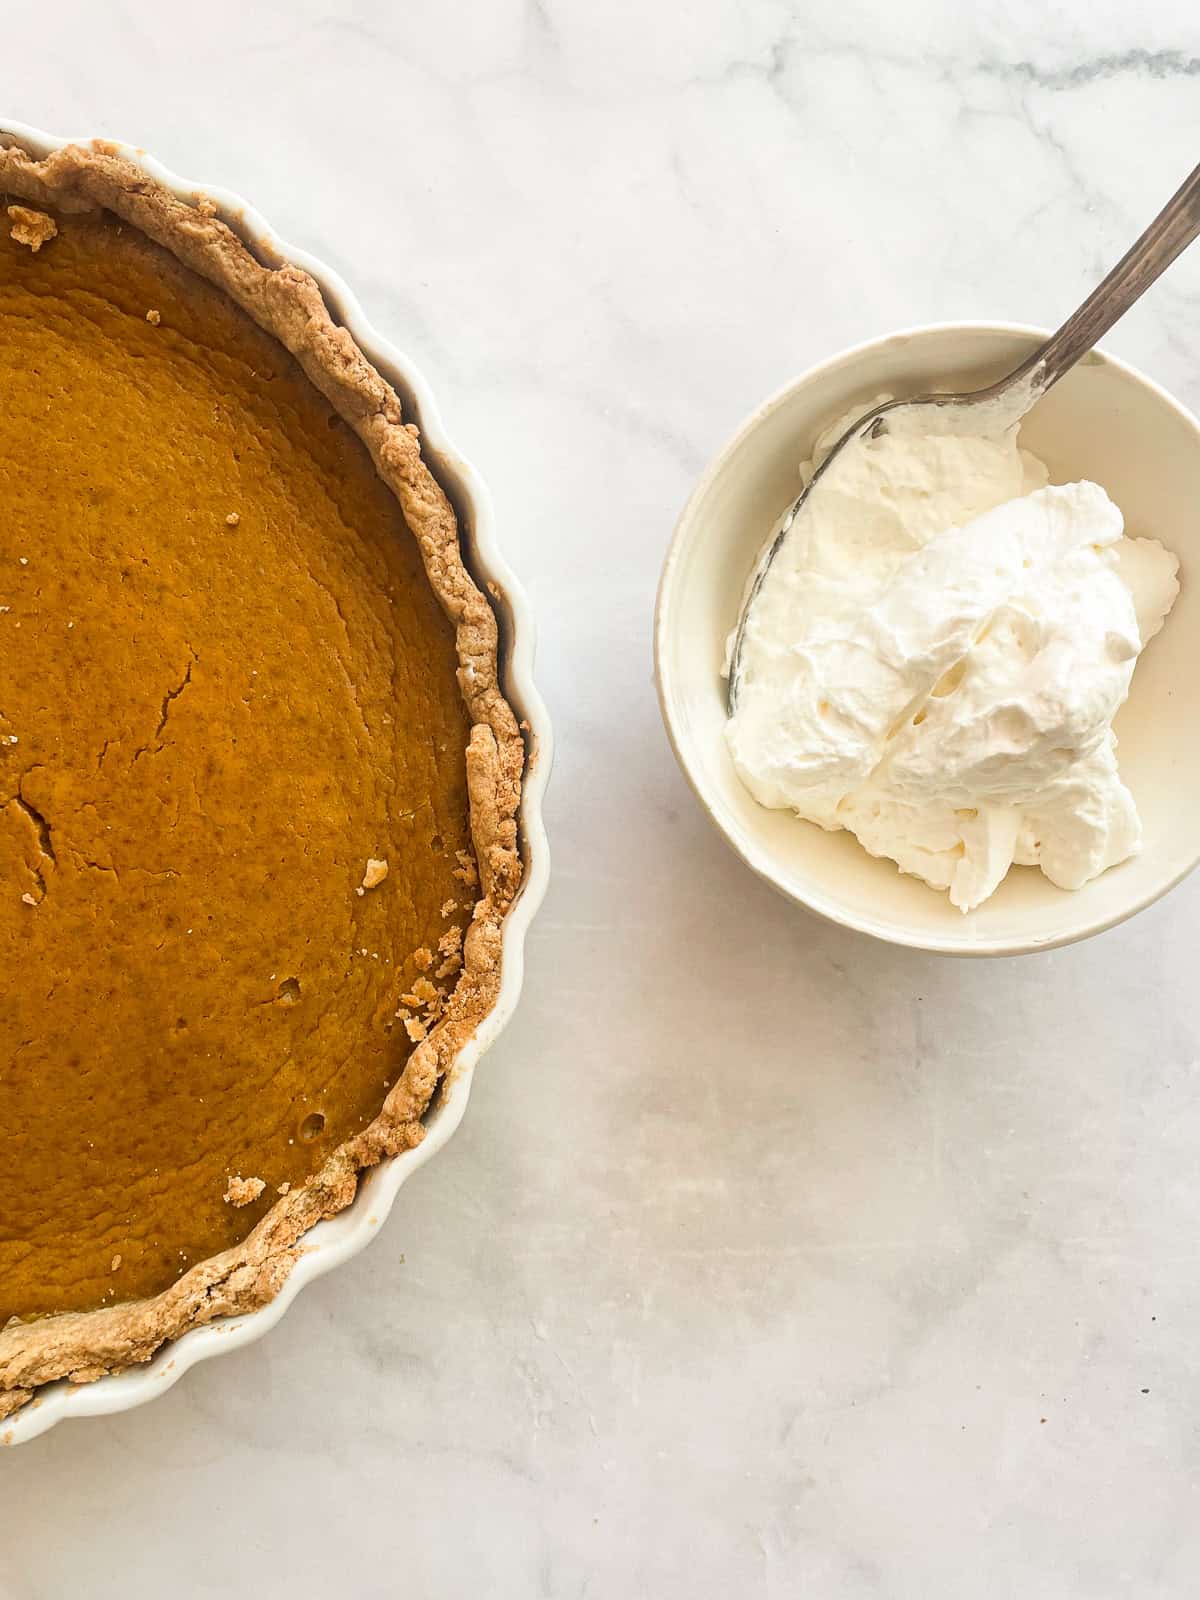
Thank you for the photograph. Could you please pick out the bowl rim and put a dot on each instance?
(331, 1242)
(758, 859)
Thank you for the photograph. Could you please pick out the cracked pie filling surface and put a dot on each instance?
(258, 782)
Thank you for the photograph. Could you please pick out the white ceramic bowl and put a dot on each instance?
(332, 1242)
(1104, 421)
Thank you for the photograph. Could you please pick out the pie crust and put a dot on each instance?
(287, 303)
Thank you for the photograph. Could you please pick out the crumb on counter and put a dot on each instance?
(31, 227)
(116, 1262)
(232, 520)
(154, 318)
(241, 1191)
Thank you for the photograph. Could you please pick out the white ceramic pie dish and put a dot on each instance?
(333, 1241)
(1104, 421)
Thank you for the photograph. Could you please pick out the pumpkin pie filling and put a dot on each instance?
(242, 929)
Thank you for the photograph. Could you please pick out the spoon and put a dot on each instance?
(1172, 230)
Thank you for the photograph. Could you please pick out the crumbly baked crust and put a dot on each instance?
(287, 303)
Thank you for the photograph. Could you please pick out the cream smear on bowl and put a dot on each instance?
(937, 653)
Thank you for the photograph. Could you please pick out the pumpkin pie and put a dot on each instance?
(258, 778)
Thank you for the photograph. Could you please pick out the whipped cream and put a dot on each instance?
(938, 651)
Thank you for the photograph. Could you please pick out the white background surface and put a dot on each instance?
(768, 1260)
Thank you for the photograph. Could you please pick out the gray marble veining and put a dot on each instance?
(768, 1260)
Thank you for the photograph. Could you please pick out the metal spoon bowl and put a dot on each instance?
(1012, 397)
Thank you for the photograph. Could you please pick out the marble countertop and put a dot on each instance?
(768, 1260)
